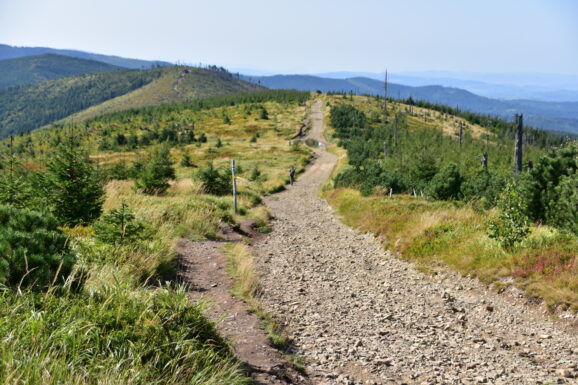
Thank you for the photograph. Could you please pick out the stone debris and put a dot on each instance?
(358, 315)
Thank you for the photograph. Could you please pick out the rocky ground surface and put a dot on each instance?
(358, 315)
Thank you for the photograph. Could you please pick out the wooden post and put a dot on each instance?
(519, 144)
(234, 185)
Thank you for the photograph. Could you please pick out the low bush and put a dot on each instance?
(512, 224)
(33, 251)
(153, 178)
(119, 226)
(446, 184)
(216, 181)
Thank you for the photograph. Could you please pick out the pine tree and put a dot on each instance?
(153, 178)
(14, 190)
(120, 226)
(186, 161)
(76, 191)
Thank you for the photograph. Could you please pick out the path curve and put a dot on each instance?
(358, 315)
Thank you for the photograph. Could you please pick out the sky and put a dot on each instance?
(310, 36)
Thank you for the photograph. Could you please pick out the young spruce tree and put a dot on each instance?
(153, 178)
(76, 190)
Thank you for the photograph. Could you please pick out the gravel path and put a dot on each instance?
(358, 315)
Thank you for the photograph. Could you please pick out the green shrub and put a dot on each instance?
(483, 186)
(511, 226)
(347, 116)
(255, 174)
(216, 181)
(423, 169)
(264, 114)
(153, 178)
(563, 211)
(119, 226)
(186, 161)
(541, 185)
(446, 184)
(32, 249)
(14, 189)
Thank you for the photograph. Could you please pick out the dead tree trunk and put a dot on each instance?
(519, 141)
(385, 99)
(461, 133)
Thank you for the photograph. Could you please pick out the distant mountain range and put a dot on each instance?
(10, 52)
(555, 116)
(542, 87)
(36, 69)
(27, 66)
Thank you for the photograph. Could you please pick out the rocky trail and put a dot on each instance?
(358, 315)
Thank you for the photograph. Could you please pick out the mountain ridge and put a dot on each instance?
(12, 52)
(29, 70)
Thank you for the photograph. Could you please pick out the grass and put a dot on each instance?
(439, 235)
(117, 334)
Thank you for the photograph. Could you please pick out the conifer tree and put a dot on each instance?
(76, 191)
(153, 178)
(14, 190)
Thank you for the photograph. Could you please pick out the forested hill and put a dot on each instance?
(554, 116)
(35, 69)
(24, 109)
(10, 52)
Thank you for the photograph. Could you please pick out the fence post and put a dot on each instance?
(234, 185)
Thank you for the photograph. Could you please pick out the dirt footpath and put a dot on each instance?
(204, 270)
(360, 316)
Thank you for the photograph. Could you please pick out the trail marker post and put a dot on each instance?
(234, 185)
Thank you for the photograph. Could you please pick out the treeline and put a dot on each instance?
(24, 109)
(397, 158)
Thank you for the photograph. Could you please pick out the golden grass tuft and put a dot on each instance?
(241, 268)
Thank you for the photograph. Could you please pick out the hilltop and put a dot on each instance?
(553, 116)
(28, 108)
(10, 52)
(35, 69)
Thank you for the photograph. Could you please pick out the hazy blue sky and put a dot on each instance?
(308, 35)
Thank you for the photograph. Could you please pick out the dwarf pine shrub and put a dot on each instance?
(33, 252)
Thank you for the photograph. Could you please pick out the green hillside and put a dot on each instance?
(27, 108)
(176, 84)
(117, 309)
(36, 69)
